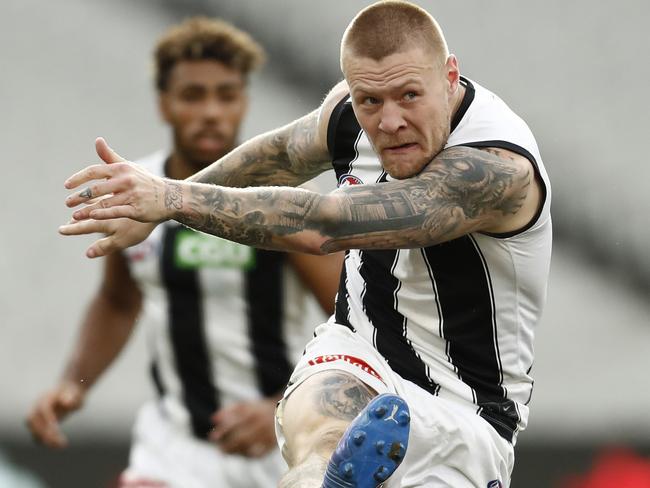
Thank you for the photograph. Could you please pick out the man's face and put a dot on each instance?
(204, 103)
(403, 103)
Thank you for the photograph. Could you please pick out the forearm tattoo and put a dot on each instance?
(249, 216)
(173, 196)
(460, 190)
(287, 156)
(342, 396)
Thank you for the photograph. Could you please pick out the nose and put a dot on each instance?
(392, 119)
(212, 109)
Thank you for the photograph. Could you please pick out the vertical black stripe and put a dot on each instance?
(342, 308)
(380, 304)
(265, 297)
(467, 307)
(188, 336)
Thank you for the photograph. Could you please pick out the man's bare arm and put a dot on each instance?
(462, 190)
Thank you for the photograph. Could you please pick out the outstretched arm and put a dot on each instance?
(288, 156)
(462, 190)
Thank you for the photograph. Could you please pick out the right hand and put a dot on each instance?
(44, 419)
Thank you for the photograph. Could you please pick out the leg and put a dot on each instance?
(314, 418)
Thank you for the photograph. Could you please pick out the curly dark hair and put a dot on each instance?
(202, 38)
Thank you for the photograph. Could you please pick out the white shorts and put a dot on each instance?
(165, 455)
(449, 444)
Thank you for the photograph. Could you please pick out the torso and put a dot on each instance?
(458, 318)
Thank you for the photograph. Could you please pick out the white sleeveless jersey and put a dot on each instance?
(458, 319)
(225, 322)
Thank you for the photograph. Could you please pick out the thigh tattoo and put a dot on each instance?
(342, 396)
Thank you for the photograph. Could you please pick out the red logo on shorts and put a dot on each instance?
(360, 363)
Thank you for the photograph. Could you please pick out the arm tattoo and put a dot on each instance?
(342, 396)
(173, 196)
(287, 156)
(249, 216)
(460, 191)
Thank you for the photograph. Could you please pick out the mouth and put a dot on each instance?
(401, 148)
(209, 141)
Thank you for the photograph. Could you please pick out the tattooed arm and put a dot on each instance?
(286, 156)
(462, 190)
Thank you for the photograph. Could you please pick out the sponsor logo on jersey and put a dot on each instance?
(195, 250)
(359, 363)
(349, 179)
(494, 484)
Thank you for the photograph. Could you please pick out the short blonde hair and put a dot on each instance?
(202, 38)
(392, 26)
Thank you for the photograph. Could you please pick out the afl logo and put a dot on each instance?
(348, 179)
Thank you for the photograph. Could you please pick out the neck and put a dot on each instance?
(457, 100)
(178, 167)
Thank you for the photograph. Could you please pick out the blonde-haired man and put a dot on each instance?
(224, 322)
(421, 377)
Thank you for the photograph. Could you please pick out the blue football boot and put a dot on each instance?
(372, 447)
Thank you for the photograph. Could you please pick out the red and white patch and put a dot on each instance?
(349, 179)
(359, 363)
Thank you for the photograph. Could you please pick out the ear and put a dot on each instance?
(452, 73)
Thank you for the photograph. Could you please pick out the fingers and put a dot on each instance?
(95, 191)
(93, 172)
(97, 171)
(102, 203)
(75, 228)
(120, 211)
(44, 424)
(225, 420)
(243, 429)
(105, 152)
(99, 248)
(103, 247)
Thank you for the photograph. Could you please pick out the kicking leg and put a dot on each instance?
(314, 418)
(335, 410)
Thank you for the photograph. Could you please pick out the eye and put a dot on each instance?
(228, 96)
(192, 94)
(370, 101)
(409, 96)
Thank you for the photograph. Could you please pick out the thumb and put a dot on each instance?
(105, 152)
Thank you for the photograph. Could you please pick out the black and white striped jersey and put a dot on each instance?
(458, 319)
(225, 322)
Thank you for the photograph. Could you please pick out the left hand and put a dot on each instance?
(247, 429)
(126, 190)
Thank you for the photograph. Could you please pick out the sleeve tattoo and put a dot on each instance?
(457, 193)
(287, 156)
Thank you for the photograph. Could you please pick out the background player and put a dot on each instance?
(225, 322)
